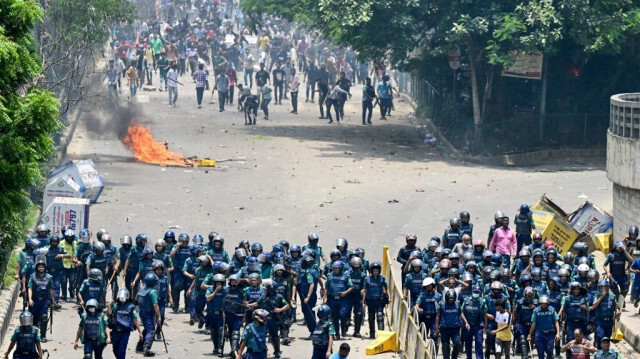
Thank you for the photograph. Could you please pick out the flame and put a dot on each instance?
(148, 150)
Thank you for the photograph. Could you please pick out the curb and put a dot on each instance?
(8, 299)
(630, 336)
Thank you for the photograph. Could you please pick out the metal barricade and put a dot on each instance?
(402, 320)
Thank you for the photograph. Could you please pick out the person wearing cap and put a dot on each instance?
(26, 339)
(579, 348)
(605, 352)
(337, 288)
(544, 328)
(473, 315)
(254, 337)
(448, 320)
(427, 306)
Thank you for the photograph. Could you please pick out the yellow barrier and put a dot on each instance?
(409, 339)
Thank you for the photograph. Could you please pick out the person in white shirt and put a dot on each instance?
(333, 100)
(172, 82)
(294, 84)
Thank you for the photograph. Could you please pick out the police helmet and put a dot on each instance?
(446, 252)
(618, 246)
(313, 238)
(487, 254)
(444, 264)
(183, 237)
(277, 248)
(26, 318)
(569, 257)
(575, 285)
(563, 272)
(470, 264)
(198, 239)
(123, 295)
(497, 286)
(466, 276)
(265, 257)
(633, 230)
(593, 274)
(126, 240)
(524, 209)
(256, 247)
(375, 265)
(583, 268)
(99, 233)
(356, 262)
(495, 275)
(465, 216)
(203, 260)
(219, 278)
(169, 236)
(467, 256)
(295, 249)
(498, 215)
(450, 295)
(253, 264)
(334, 253)
(241, 253)
(307, 262)
(92, 303)
(218, 239)
(150, 280)
(454, 272)
(428, 281)
(254, 276)
(439, 250)
(544, 300)
(147, 251)
(157, 264)
(525, 278)
(433, 243)
(42, 227)
(278, 267)
(233, 278)
(496, 259)
(98, 247)
(337, 264)
(95, 275)
(411, 237)
(536, 272)
(342, 242)
(161, 243)
(54, 239)
(454, 222)
(141, 239)
(454, 256)
(324, 312)
(538, 253)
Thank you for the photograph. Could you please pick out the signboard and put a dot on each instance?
(547, 205)
(591, 220)
(85, 174)
(525, 66)
(556, 229)
(72, 212)
(454, 57)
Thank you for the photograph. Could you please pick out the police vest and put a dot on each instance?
(415, 283)
(92, 327)
(550, 271)
(280, 284)
(357, 279)
(344, 256)
(144, 299)
(539, 287)
(611, 354)
(233, 301)
(491, 303)
(337, 284)
(574, 311)
(317, 249)
(492, 230)
(215, 304)
(218, 255)
(466, 228)
(320, 335)
(181, 256)
(135, 256)
(473, 310)
(374, 287)
(201, 274)
(450, 316)
(555, 299)
(524, 311)
(26, 339)
(123, 315)
(544, 319)
(145, 267)
(451, 238)
(84, 250)
(617, 264)
(258, 341)
(92, 290)
(98, 261)
(295, 264)
(164, 257)
(54, 264)
(429, 303)
(254, 294)
(523, 224)
(109, 252)
(607, 307)
(405, 253)
(161, 287)
(41, 286)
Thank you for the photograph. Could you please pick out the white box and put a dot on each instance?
(60, 186)
(85, 174)
(590, 220)
(72, 212)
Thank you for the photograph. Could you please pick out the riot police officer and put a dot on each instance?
(92, 288)
(55, 255)
(522, 317)
(544, 328)
(524, 226)
(413, 281)
(147, 298)
(337, 288)
(277, 306)
(375, 296)
(180, 282)
(322, 336)
(97, 259)
(41, 296)
(252, 295)
(43, 235)
(132, 264)
(465, 226)
(473, 315)
(576, 308)
(26, 267)
(162, 255)
(121, 258)
(93, 331)
(280, 282)
(405, 252)
(125, 320)
(164, 292)
(497, 293)
(357, 277)
(606, 310)
(313, 245)
(616, 273)
(197, 291)
(453, 234)
(448, 323)
(427, 306)
(254, 337)
(308, 281)
(234, 311)
(217, 252)
(215, 296)
(26, 339)
(342, 246)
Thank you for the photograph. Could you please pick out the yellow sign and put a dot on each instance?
(556, 229)
(547, 205)
(385, 342)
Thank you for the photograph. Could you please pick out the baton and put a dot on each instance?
(530, 350)
(51, 319)
(164, 340)
(224, 332)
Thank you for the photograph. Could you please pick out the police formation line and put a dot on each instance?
(520, 294)
(245, 299)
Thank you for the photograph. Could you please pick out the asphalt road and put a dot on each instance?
(292, 175)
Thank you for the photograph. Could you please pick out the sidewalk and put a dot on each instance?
(630, 326)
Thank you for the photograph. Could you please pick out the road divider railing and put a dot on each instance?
(411, 339)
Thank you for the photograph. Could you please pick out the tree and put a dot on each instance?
(28, 117)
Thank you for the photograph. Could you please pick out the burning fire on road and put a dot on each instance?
(148, 150)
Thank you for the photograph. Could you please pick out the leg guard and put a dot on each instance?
(214, 340)
(524, 346)
(220, 337)
(235, 340)
(276, 347)
(457, 348)
(380, 318)
(372, 325)
(357, 324)
(446, 351)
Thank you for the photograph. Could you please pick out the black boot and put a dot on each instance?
(524, 347)
(44, 323)
(216, 342)
(446, 350)
(220, 337)
(456, 350)
(148, 352)
(372, 326)
(380, 321)
(344, 327)
(140, 347)
(235, 339)
(276, 347)
(357, 325)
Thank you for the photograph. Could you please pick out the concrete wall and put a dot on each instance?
(626, 210)
(623, 160)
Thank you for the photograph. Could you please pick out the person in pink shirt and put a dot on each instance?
(504, 242)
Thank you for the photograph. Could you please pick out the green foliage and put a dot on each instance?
(28, 118)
